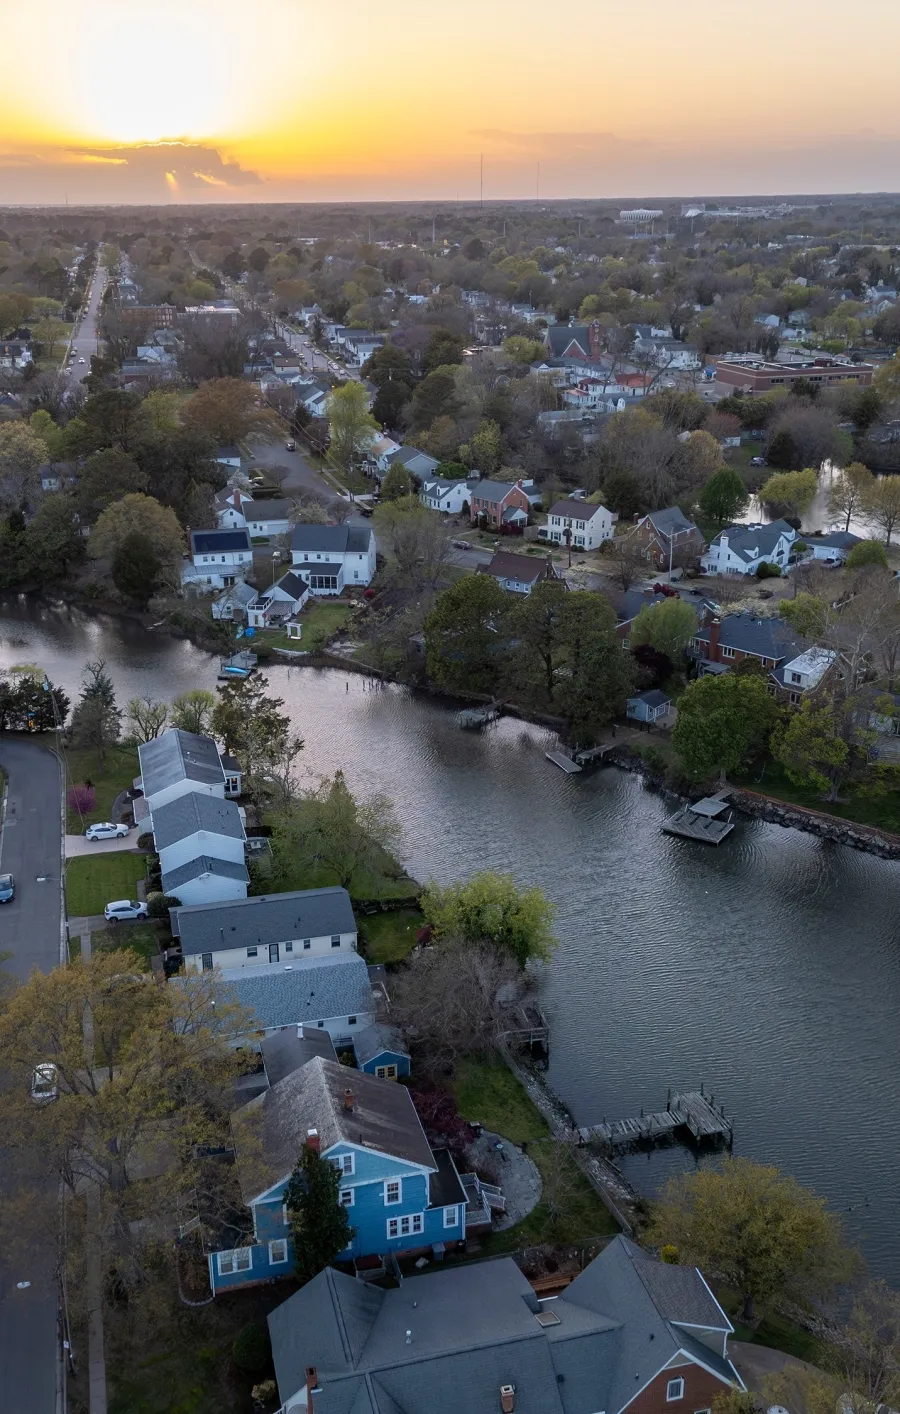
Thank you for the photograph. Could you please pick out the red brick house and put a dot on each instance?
(722, 643)
(501, 504)
(668, 531)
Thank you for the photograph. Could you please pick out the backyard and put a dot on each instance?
(770, 778)
(321, 621)
(120, 766)
(93, 881)
(390, 936)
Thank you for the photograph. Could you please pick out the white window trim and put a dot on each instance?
(350, 1194)
(670, 1397)
(340, 1163)
(415, 1226)
(454, 1220)
(389, 1183)
(278, 1261)
(232, 1269)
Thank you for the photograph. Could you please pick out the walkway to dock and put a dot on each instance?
(573, 761)
(694, 1111)
(474, 718)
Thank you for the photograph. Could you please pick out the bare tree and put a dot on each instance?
(628, 561)
(417, 545)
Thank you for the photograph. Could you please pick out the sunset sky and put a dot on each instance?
(166, 100)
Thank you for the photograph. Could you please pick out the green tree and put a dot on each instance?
(523, 350)
(443, 348)
(351, 426)
(668, 627)
(53, 542)
(434, 397)
(807, 613)
(463, 635)
(397, 484)
(105, 477)
(848, 492)
(329, 827)
(254, 729)
(791, 491)
(485, 447)
(881, 507)
(599, 677)
(111, 418)
(50, 433)
(867, 552)
(537, 624)
(887, 378)
(135, 568)
(723, 721)
(319, 1222)
(140, 515)
(192, 711)
(22, 454)
(822, 744)
(623, 493)
(96, 720)
(147, 718)
(724, 497)
(491, 908)
(757, 1229)
(227, 411)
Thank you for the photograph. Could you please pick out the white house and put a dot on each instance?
(229, 456)
(379, 453)
(218, 558)
(833, 548)
(330, 994)
(579, 524)
(15, 354)
(450, 497)
(331, 557)
(269, 929)
(194, 825)
(263, 518)
(176, 763)
(741, 549)
(803, 673)
(232, 602)
(280, 602)
(206, 880)
(360, 345)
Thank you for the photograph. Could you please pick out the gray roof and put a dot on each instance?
(331, 539)
(217, 542)
(493, 491)
(292, 583)
(324, 567)
(766, 638)
(628, 604)
(266, 510)
(445, 1186)
(653, 697)
(273, 918)
(670, 521)
(753, 542)
(270, 1131)
(835, 539)
(560, 336)
(238, 593)
(285, 1051)
(196, 868)
(179, 756)
(405, 455)
(576, 510)
(308, 990)
(195, 811)
(474, 1329)
(375, 1039)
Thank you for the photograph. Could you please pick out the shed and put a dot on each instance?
(649, 706)
(379, 1051)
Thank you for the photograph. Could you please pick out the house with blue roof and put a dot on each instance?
(401, 1195)
(330, 993)
(741, 549)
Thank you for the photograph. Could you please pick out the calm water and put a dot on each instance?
(768, 968)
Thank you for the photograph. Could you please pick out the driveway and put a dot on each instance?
(76, 845)
(31, 930)
(301, 476)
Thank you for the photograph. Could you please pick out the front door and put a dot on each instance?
(273, 952)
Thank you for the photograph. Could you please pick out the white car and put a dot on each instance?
(106, 830)
(82, 360)
(44, 1085)
(123, 909)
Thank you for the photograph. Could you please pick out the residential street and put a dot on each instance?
(301, 476)
(84, 342)
(30, 848)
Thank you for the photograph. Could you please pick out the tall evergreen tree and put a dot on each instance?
(319, 1222)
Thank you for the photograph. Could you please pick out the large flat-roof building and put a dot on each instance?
(761, 375)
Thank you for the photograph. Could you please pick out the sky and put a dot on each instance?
(123, 101)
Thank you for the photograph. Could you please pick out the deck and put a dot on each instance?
(474, 718)
(701, 821)
(704, 1120)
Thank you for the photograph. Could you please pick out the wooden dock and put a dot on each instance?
(564, 762)
(474, 718)
(693, 1111)
(702, 820)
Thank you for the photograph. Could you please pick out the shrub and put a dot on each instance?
(265, 1392)
(145, 841)
(768, 571)
(158, 905)
(669, 1254)
(81, 799)
(252, 1350)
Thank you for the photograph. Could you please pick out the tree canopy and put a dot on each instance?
(723, 721)
(491, 908)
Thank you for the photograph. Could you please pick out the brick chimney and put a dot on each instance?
(312, 1387)
(348, 1100)
(507, 1399)
(313, 1141)
(715, 628)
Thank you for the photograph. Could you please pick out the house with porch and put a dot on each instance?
(272, 928)
(279, 603)
(330, 557)
(722, 642)
(218, 558)
(518, 574)
(651, 708)
(629, 1333)
(401, 1195)
(579, 524)
(231, 604)
(741, 549)
(500, 504)
(667, 537)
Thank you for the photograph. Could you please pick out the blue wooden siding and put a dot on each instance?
(396, 1058)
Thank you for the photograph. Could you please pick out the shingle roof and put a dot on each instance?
(628, 605)
(332, 539)
(375, 1039)
(308, 990)
(560, 336)
(238, 593)
(493, 491)
(766, 638)
(195, 811)
(269, 1132)
(196, 868)
(273, 918)
(294, 584)
(405, 455)
(835, 539)
(653, 697)
(577, 510)
(670, 521)
(266, 510)
(505, 565)
(219, 542)
(179, 756)
(285, 1051)
(754, 542)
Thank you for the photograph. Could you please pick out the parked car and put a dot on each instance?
(123, 910)
(757, 461)
(290, 446)
(7, 888)
(668, 589)
(106, 830)
(462, 544)
(44, 1084)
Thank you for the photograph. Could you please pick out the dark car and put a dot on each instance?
(757, 461)
(7, 888)
(290, 446)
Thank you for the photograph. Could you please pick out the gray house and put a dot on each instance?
(272, 928)
(330, 994)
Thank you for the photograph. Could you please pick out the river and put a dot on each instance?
(768, 968)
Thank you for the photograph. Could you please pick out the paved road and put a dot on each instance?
(314, 359)
(85, 340)
(30, 847)
(301, 476)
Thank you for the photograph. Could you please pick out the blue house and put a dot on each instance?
(379, 1051)
(648, 706)
(401, 1195)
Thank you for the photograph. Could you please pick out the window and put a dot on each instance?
(335, 940)
(351, 1020)
(344, 1163)
(278, 1252)
(451, 1217)
(393, 1191)
(796, 677)
(674, 1390)
(307, 944)
(386, 1072)
(346, 1197)
(206, 961)
(794, 698)
(240, 1259)
(289, 947)
(727, 652)
(252, 952)
(403, 1227)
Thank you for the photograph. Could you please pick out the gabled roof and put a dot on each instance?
(239, 593)
(653, 697)
(628, 604)
(292, 583)
(494, 491)
(374, 1040)
(835, 539)
(270, 1131)
(753, 542)
(406, 455)
(256, 922)
(766, 638)
(266, 510)
(331, 539)
(305, 990)
(285, 1051)
(560, 338)
(219, 542)
(670, 521)
(577, 510)
(179, 756)
(192, 812)
(527, 570)
(197, 868)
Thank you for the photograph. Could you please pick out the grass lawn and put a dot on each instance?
(776, 1332)
(771, 779)
(486, 1090)
(390, 937)
(365, 885)
(93, 881)
(142, 938)
(320, 622)
(120, 766)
